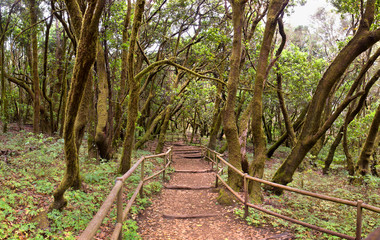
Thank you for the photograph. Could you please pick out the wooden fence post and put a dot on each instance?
(359, 220)
(120, 207)
(245, 196)
(215, 158)
(212, 162)
(142, 175)
(217, 171)
(171, 156)
(164, 172)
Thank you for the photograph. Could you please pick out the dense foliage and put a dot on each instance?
(111, 75)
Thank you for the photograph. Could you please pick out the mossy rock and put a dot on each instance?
(42, 220)
(225, 197)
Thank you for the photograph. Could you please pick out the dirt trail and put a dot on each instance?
(163, 219)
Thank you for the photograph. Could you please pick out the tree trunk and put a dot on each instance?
(243, 135)
(256, 169)
(214, 131)
(229, 117)
(4, 100)
(36, 81)
(351, 115)
(311, 132)
(134, 87)
(149, 131)
(145, 111)
(85, 57)
(102, 138)
(60, 54)
(375, 161)
(164, 127)
(92, 150)
(123, 79)
(216, 120)
(49, 127)
(296, 126)
(288, 123)
(362, 167)
(82, 117)
(349, 161)
(330, 156)
(64, 96)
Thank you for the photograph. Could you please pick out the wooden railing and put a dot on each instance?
(117, 194)
(216, 159)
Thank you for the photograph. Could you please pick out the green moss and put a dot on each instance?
(225, 197)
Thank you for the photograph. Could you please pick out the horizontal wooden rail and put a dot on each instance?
(359, 204)
(95, 223)
(303, 192)
(316, 195)
(230, 189)
(116, 193)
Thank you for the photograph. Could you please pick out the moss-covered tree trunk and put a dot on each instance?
(215, 129)
(59, 73)
(349, 160)
(193, 125)
(256, 169)
(134, 87)
(330, 157)
(4, 100)
(229, 117)
(92, 150)
(85, 57)
(161, 115)
(217, 117)
(150, 130)
(164, 127)
(102, 137)
(169, 108)
(63, 105)
(312, 131)
(145, 110)
(296, 126)
(123, 78)
(284, 110)
(82, 117)
(4, 27)
(243, 136)
(353, 113)
(36, 81)
(374, 164)
(47, 127)
(362, 167)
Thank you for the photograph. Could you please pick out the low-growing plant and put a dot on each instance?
(29, 177)
(130, 230)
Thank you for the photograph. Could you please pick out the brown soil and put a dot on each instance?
(195, 214)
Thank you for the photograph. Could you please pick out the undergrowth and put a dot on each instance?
(329, 215)
(33, 168)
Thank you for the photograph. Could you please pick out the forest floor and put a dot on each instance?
(31, 166)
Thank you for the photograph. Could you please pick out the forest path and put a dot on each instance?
(194, 214)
